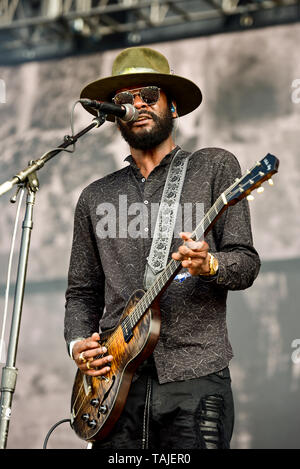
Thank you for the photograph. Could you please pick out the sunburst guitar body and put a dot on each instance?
(97, 402)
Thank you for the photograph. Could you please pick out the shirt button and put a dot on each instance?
(146, 202)
(146, 229)
(143, 179)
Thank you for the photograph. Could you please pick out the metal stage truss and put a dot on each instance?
(33, 30)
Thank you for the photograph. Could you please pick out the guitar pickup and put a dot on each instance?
(127, 333)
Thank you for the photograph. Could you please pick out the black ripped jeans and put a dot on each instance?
(192, 414)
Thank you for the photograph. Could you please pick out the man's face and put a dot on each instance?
(154, 124)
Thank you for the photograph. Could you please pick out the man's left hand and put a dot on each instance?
(193, 255)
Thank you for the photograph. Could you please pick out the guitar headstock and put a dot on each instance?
(252, 179)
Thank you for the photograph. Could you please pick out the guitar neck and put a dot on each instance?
(173, 267)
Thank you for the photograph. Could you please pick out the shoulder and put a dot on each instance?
(214, 156)
(215, 163)
(106, 184)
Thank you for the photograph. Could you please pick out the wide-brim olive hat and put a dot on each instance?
(142, 66)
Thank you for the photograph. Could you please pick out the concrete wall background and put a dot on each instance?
(249, 108)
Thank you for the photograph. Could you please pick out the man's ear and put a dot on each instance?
(173, 109)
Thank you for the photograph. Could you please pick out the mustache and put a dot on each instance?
(141, 112)
(146, 113)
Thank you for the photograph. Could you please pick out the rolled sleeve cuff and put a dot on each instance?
(71, 345)
(236, 270)
(224, 276)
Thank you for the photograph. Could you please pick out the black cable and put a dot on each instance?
(51, 430)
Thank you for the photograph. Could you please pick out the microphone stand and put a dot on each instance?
(28, 179)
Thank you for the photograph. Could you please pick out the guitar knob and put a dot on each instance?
(103, 409)
(95, 402)
(92, 423)
(85, 417)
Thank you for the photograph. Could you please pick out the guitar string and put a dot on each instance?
(80, 389)
(117, 331)
(165, 275)
(81, 404)
(144, 303)
(162, 279)
(106, 343)
(154, 290)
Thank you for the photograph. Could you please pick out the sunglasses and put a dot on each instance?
(148, 94)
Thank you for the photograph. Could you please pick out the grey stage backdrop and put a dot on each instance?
(250, 107)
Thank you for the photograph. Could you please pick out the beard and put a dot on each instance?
(147, 139)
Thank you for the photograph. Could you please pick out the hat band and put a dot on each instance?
(137, 70)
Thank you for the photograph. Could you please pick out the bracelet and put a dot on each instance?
(213, 265)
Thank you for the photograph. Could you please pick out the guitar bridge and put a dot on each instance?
(87, 384)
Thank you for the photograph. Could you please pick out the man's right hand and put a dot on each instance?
(85, 352)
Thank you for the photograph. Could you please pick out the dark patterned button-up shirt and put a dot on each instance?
(114, 220)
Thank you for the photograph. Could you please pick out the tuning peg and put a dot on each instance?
(260, 189)
(271, 182)
(250, 197)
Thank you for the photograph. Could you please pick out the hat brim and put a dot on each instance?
(186, 93)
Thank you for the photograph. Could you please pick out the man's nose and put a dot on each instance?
(138, 102)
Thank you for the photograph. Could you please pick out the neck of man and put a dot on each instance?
(146, 160)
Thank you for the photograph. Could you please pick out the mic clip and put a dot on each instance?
(70, 139)
(100, 119)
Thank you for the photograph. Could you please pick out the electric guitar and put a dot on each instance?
(97, 402)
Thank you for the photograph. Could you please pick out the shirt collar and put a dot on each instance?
(165, 161)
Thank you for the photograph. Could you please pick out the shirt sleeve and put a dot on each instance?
(85, 292)
(71, 345)
(238, 260)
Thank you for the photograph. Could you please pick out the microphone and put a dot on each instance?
(126, 112)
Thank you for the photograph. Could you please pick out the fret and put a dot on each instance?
(224, 198)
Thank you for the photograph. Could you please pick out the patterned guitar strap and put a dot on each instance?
(166, 217)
